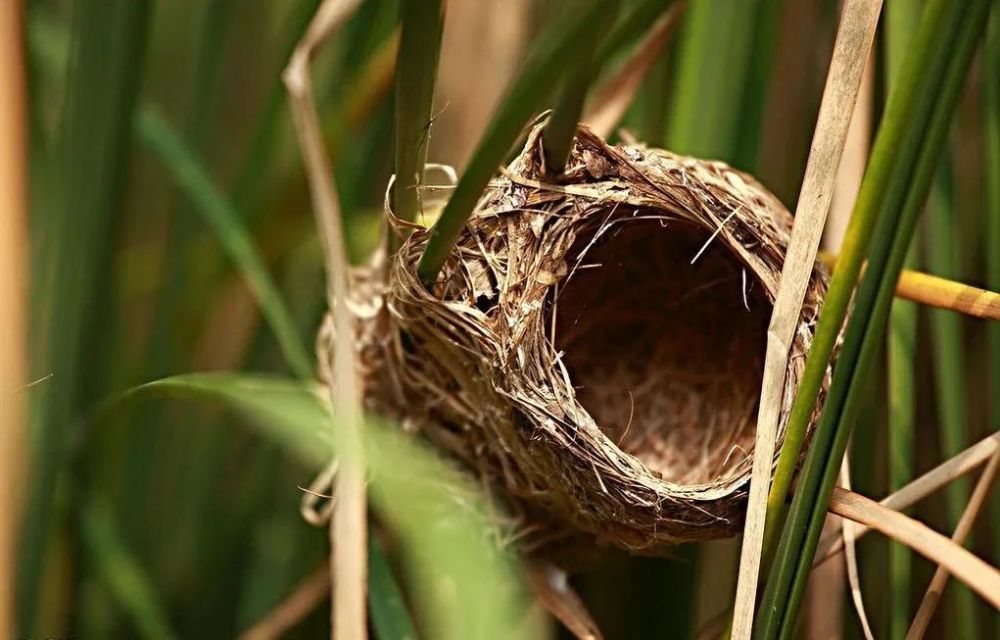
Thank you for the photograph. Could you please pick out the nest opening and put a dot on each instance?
(665, 354)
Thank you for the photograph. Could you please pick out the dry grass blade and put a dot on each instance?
(851, 556)
(292, 609)
(614, 97)
(948, 294)
(850, 53)
(13, 302)
(559, 599)
(940, 292)
(348, 528)
(920, 488)
(932, 596)
(976, 574)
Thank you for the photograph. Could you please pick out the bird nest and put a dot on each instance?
(594, 345)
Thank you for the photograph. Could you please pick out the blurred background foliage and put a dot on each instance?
(172, 232)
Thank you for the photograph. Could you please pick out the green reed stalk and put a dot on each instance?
(559, 44)
(416, 70)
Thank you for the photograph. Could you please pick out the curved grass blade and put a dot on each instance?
(416, 70)
(227, 225)
(786, 584)
(559, 43)
(466, 582)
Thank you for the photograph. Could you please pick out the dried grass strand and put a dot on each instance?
(974, 572)
(928, 605)
(919, 489)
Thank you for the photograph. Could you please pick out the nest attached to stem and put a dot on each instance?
(594, 346)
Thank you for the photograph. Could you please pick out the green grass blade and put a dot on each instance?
(637, 16)
(451, 544)
(260, 149)
(713, 61)
(754, 99)
(228, 227)
(560, 130)
(388, 609)
(71, 240)
(991, 179)
(884, 185)
(786, 584)
(558, 44)
(941, 249)
(121, 574)
(902, 20)
(416, 72)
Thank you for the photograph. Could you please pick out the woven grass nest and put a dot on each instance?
(594, 346)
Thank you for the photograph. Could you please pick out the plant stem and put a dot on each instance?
(991, 178)
(786, 583)
(902, 22)
(893, 155)
(559, 43)
(416, 70)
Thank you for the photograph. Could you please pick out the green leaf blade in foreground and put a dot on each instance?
(465, 580)
(416, 70)
(558, 44)
(786, 583)
(229, 229)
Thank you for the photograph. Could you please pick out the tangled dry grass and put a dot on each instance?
(593, 348)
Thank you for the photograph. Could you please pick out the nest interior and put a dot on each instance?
(665, 354)
(593, 347)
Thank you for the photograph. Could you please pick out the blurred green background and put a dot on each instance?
(172, 232)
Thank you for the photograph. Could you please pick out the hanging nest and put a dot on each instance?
(594, 346)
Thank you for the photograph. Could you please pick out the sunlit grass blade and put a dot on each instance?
(416, 70)
(229, 229)
(14, 281)
(890, 165)
(388, 609)
(119, 571)
(72, 239)
(558, 44)
(891, 239)
(902, 20)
